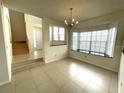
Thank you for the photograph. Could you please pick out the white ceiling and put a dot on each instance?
(59, 9)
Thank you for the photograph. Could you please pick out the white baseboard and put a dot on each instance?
(6, 82)
(94, 64)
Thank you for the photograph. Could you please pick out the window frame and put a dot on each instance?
(58, 33)
(51, 36)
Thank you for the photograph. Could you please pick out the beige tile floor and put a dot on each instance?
(63, 76)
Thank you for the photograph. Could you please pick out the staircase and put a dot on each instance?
(26, 64)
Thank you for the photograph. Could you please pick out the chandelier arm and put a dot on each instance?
(71, 13)
(71, 22)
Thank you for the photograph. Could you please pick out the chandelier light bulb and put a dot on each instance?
(77, 22)
(66, 22)
(73, 20)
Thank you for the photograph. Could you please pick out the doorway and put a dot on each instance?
(37, 38)
(26, 36)
(18, 30)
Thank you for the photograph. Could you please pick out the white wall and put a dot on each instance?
(17, 25)
(5, 52)
(107, 63)
(121, 75)
(52, 53)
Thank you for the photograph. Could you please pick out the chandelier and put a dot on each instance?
(71, 22)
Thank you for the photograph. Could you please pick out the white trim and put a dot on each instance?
(98, 65)
(91, 28)
(46, 61)
(56, 59)
(6, 82)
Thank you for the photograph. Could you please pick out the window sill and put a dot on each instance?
(58, 45)
(92, 54)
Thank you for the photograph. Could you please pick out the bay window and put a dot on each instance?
(75, 41)
(84, 40)
(99, 42)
